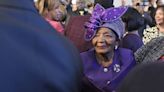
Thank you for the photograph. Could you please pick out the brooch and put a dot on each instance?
(116, 68)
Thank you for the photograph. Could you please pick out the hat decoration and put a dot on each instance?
(101, 16)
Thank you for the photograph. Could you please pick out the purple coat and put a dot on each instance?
(132, 42)
(107, 79)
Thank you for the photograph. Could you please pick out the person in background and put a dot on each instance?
(140, 6)
(34, 56)
(133, 22)
(74, 31)
(136, 3)
(149, 10)
(75, 8)
(151, 51)
(153, 3)
(105, 3)
(159, 2)
(144, 78)
(148, 15)
(53, 11)
(89, 6)
(106, 64)
(65, 2)
(158, 30)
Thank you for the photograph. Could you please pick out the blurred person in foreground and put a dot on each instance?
(106, 64)
(144, 78)
(32, 52)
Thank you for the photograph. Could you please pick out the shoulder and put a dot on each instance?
(126, 58)
(131, 38)
(87, 54)
(88, 57)
(124, 51)
(126, 55)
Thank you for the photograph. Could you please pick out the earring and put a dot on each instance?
(116, 47)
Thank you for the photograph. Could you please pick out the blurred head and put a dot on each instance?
(52, 9)
(65, 2)
(81, 4)
(74, 5)
(78, 5)
(160, 2)
(133, 19)
(105, 40)
(135, 2)
(90, 6)
(152, 2)
(159, 15)
(138, 4)
(60, 13)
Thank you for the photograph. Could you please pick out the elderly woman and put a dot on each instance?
(106, 64)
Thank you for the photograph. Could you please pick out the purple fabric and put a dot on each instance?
(109, 18)
(132, 42)
(108, 81)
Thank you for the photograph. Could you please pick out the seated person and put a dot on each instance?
(157, 30)
(133, 21)
(106, 64)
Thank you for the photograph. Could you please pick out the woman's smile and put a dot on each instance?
(102, 47)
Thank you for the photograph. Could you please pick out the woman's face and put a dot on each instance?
(104, 41)
(159, 16)
(58, 13)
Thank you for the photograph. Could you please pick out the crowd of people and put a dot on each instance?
(81, 46)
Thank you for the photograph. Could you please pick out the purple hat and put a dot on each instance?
(110, 18)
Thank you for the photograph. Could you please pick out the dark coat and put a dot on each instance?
(75, 32)
(144, 78)
(33, 56)
(105, 3)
